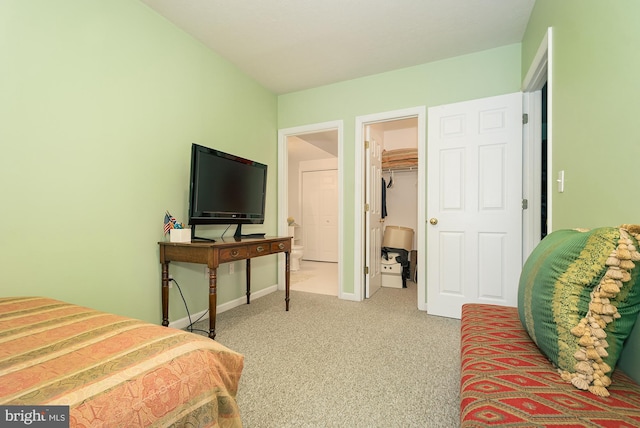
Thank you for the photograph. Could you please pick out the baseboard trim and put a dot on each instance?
(183, 323)
(348, 296)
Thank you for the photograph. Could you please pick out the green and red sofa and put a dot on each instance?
(551, 362)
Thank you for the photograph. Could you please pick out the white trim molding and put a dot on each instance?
(184, 322)
(359, 239)
(539, 74)
(283, 200)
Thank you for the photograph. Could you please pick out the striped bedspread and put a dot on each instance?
(113, 371)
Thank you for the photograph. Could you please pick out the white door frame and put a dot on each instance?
(283, 197)
(359, 241)
(538, 74)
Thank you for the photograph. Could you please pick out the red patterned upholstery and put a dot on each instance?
(505, 380)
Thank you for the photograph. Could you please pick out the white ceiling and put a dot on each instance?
(290, 45)
(325, 141)
(313, 146)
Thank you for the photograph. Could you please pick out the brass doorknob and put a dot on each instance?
(433, 221)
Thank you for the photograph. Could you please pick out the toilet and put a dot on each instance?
(296, 251)
(296, 255)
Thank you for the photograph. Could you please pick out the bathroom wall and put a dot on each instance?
(319, 201)
(303, 156)
(298, 150)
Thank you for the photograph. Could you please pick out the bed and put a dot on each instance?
(113, 371)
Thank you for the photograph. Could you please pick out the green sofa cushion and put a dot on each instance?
(579, 297)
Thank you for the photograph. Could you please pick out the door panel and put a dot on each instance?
(450, 279)
(474, 200)
(320, 215)
(373, 195)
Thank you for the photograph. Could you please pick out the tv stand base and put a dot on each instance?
(254, 235)
(197, 238)
(239, 235)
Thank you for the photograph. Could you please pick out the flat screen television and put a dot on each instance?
(225, 189)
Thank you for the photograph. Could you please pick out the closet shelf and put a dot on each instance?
(400, 159)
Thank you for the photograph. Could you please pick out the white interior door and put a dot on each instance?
(474, 235)
(373, 200)
(320, 215)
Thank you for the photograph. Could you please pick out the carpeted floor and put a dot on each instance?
(334, 363)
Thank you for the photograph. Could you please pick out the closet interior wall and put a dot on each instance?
(402, 184)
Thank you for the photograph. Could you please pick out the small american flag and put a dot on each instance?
(169, 221)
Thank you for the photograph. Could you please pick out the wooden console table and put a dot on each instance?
(213, 254)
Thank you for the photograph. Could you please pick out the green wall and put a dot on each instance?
(595, 106)
(483, 74)
(100, 102)
(595, 103)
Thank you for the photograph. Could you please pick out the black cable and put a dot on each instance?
(190, 326)
(191, 323)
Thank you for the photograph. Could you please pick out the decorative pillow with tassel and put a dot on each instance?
(579, 298)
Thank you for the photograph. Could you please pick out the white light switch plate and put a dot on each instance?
(561, 181)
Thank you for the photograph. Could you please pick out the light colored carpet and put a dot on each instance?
(334, 363)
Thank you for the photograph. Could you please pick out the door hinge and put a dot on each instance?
(366, 270)
(525, 204)
(366, 144)
(525, 118)
(366, 208)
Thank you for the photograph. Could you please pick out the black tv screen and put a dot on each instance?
(225, 189)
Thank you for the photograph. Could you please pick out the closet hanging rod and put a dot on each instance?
(405, 169)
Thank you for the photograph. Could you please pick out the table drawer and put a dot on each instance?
(235, 253)
(281, 246)
(259, 250)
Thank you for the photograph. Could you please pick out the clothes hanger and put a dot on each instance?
(390, 181)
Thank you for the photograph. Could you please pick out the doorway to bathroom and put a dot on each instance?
(310, 188)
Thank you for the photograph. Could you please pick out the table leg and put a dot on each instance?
(248, 281)
(213, 282)
(286, 280)
(165, 294)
